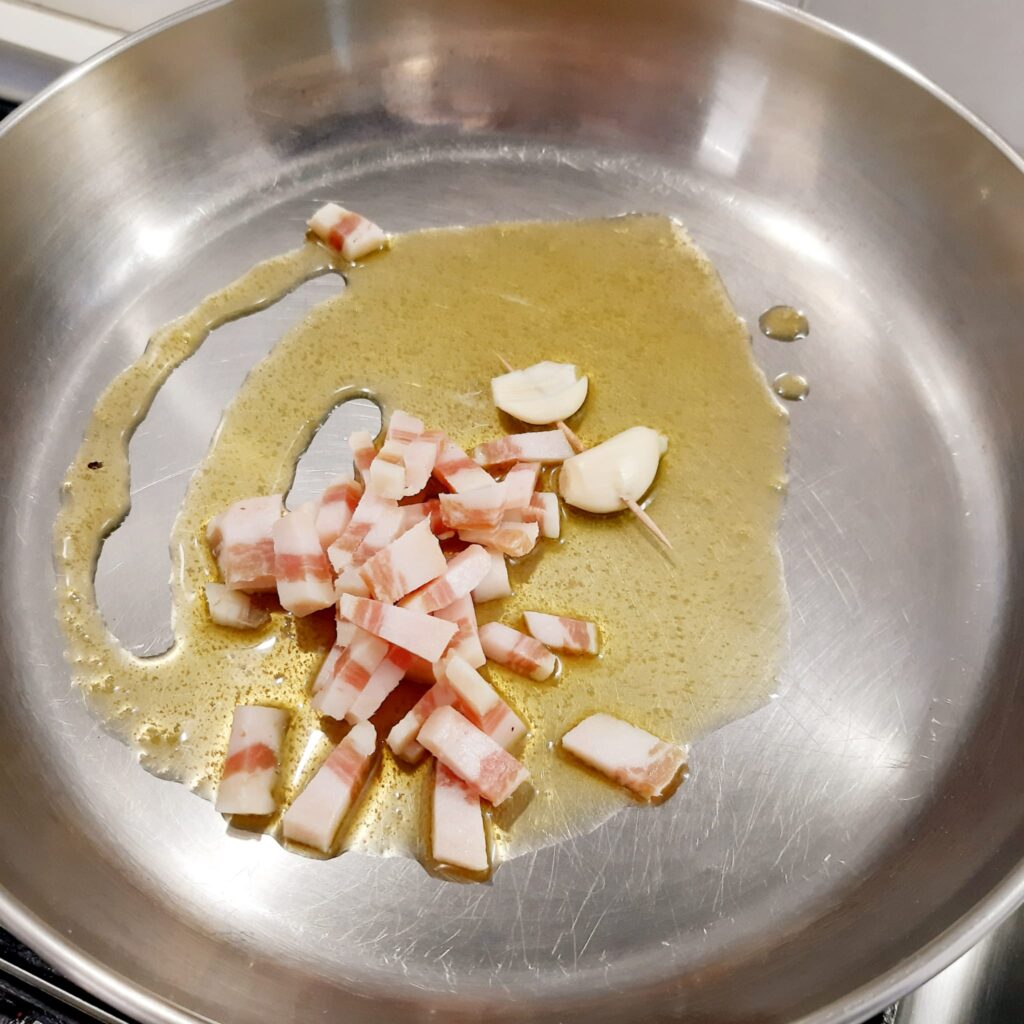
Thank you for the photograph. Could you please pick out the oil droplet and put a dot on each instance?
(784, 323)
(791, 386)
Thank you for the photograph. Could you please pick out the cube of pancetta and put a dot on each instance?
(241, 541)
(517, 651)
(472, 755)
(305, 583)
(496, 583)
(546, 446)
(626, 753)
(412, 560)
(249, 776)
(576, 636)
(464, 572)
(420, 634)
(350, 234)
(317, 812)
(466, 642)
(233, 608)
(458, 837)
(457, 471)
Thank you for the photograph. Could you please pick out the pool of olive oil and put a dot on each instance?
(691, 638)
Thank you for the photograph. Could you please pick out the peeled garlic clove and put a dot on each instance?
(543, 393)
(623, 467)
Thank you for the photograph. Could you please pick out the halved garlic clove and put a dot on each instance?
(543, 393)
(603, 478)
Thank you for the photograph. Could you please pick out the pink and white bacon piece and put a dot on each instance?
(471, 694)
(317, 812)
(517, 651)
(458, 838)
(514, 539)
(472, 755)
(406, 564)
(575, 636)
(305, 583)
(363, 452)
(479, 509)
(241, 541)
(348, 233)
(457, 471)
(233, 608)
(466, 642)
(335, 508)
(420, 634)
(464, 572)
(519, 483)
(496, 583)
(345, 675)
(547, 446)
(626, 753)
(387, 474)
(250, 766)
(480, 702)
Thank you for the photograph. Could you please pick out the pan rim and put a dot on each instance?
(1002, 899)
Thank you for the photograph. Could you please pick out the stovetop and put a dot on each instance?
(33, 993)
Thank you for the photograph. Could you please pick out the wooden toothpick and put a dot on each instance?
(578, 446)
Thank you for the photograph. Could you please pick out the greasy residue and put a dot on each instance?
(691, 639)
(784, 323)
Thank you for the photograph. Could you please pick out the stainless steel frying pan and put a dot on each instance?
(830, 851)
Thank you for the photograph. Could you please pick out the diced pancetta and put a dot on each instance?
(406, 564)
(550, 522)
(472, 755)
(496, 583)
(458, 837)
(403, 428)
(305, 582)
(626, 753)
(457, 471)
(348, 233)
(387, 473)
(465, 643)
(375, 523)
(387, 528)
(317, 812)
(520, 483)
(547, 446)
(575, 636)
(363, 453)
(480, 702)
(465, 571)
(344, 677)
(479, 509)
(350, 581)
(402, 738)
(420, 456)
(250, 766)
(241, 541)
(514, 539)
(233, 608)
(326, 671)
(406, 459)
(335, 508)
(517, 651)
(386, 676)
(420, 634)
(430, 510)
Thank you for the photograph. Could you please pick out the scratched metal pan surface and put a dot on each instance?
(831, 850)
